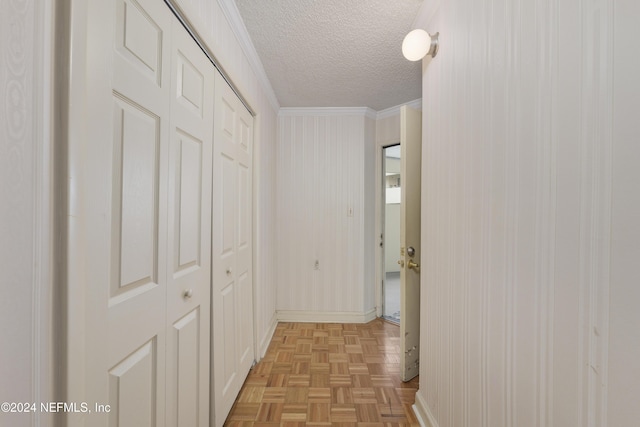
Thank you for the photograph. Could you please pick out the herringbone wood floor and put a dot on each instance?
(328, 374)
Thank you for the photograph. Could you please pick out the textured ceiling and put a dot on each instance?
(335, 53)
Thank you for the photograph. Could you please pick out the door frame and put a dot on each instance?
(379, 219)
(256, 225)
(380, 208)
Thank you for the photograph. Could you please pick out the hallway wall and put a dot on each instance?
(26, 237)
(530, 206)
(326, 161)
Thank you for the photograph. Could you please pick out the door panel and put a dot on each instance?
(186, 332)
(190, 85)
(189, 273)
(232, 299)
(133, 389)
(139, 38)
(120, 214)
(245, 334)
(226, 183)
(244, 202)
(229, 344)
(135, 200)
(410, 161)
(143, 210)
(244, 275)
(188, 186)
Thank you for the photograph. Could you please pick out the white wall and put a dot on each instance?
(215, 22)
(25, 224)
(325, 168)
(530, 214)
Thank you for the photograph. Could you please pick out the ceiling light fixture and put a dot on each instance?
(418, 43)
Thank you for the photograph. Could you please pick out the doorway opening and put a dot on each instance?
(391, 232)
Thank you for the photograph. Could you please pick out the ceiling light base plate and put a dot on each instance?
(435, 46)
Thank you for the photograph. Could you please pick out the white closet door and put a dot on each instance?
(140, 221)
(121, 206)
(189, 237)
(232, 300)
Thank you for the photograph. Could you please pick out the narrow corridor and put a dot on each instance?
(331, 374)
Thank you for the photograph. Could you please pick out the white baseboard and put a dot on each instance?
(326, 316)
(423, 413)
(266, 339)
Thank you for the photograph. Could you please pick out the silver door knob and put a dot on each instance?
(188, 293)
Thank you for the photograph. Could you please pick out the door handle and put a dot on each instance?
(413, 265)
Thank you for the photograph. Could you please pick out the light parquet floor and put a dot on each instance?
(328, 374)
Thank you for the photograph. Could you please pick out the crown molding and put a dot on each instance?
(328, 111)
(349, 111)
(394, 111)
(232, 14)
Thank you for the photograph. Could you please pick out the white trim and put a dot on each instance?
(232, 14)
(370, 315)
(416, 104)
(326, 316)
(379, 218)
(43, 307)
(423, 413)
(73, 261)
(255, 234)
(266, 340)
(328, 111)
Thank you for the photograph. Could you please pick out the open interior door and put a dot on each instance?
(411, 154)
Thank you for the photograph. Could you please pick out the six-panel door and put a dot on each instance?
(143, 214)
(189, 230)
